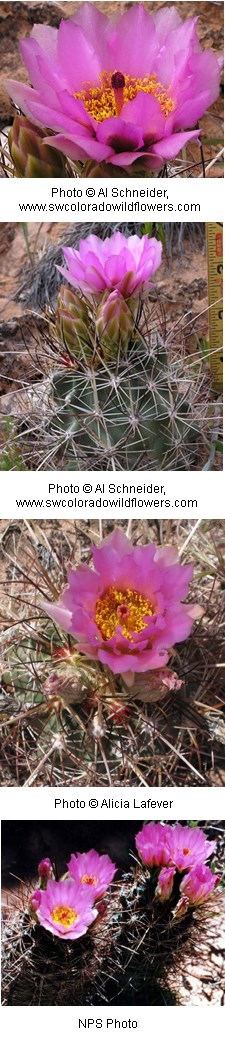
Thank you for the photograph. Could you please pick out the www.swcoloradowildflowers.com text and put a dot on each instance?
(102, 503)
(133, 207)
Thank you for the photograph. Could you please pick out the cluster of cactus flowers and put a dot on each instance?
(117, 400)
(179, 854)
(105, 933)
(112, 96)
(174, 858)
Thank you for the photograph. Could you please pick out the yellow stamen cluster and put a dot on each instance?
(64, 915)
(92, 880)
(125, 608)
(100, 102)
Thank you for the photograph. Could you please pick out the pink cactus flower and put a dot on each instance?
(127, 613)
(45, 868)
(165, 884)
(124, 264)
(198, 884)
(118, 91)
(188, 846)
(151, 843)
(65, 910)
(94, 872)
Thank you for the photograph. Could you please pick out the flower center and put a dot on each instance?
(186, 851)
(64, 915)
(125, 608)
(114, 90)
(91, 880)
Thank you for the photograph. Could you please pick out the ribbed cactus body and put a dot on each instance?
(120, 406)
(65, 969)
(128, 414)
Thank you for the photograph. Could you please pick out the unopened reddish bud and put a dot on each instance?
(35, 901)
(165, 884)
(101, 908)
(45, 868)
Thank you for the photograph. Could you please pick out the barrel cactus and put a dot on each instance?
(127, 412)
(120, 404)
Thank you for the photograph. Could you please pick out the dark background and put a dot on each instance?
(24, 843)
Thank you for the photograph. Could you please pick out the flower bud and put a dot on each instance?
(72, 322)
(102, 908)
(34, 901)
(45, 870)
(52, 685)
(114, 323)
(165, 884)
(30, 156)
(154, 685)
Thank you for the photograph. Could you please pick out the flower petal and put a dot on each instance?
(169, 147)
(79, 147)
(145, 112)
(119, 134)
(96, 28)
(77, 58)
(133, 43)
(47, 37)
